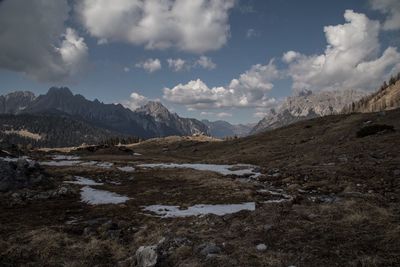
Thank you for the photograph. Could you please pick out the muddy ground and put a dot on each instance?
(343, 207)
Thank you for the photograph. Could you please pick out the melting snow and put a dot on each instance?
(126, 169)
(243, 170)
(97, 197)
(65, 157)
(200, 209)
(137, 154)
(61, 163)
(83, 181)
(8, 159)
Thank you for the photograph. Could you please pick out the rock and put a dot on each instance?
(396, 172)
(261, 247)
(146, 256)
(209, 249)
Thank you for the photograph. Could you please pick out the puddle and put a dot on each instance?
(200, 209)
(237, 170)
(98, 197)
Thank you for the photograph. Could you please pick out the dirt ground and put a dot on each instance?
(343, 207)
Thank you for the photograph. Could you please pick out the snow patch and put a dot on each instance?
(237, 170)
(126, 169)
(61, 163)
(200, 209)
(65, 157)
(98, 197)
(83, 181)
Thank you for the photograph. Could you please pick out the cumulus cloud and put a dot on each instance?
(249, 90)
(351, 59)
(135, 101)
(206, 63)
(178, 64)
(290, 56)
(150, 65)
(392, 9)
(35, 41)
(194, 26)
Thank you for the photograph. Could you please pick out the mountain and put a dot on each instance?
(307, 105)
(170, 123)
(386, 98)
(15, 102)
(49, 131)
(113, 117)
(221, 129)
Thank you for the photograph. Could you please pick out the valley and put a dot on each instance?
(184, 201)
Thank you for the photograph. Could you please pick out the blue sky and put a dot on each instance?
(259, 31)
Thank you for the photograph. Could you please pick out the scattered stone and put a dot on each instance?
(261, 247)
(209, 249)
(146, 256)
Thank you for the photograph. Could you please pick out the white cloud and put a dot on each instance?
(135, 101)
(290, 56)
(193, 26)
(392, 9)
(249, 90)
(178, 64)
(150, 65)
(224, 114)
(73, 52)
(34, 40)
(351, 59)
(206, 63)
(127, 69)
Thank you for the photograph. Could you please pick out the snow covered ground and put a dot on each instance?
(237, 170)
(97, 197)
(200, 209)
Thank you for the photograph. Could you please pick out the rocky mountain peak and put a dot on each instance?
(153, 108)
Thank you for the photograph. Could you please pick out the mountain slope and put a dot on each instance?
(307, 105)
(221, 129)
(49, 131)
(170, 123)
(386, 98)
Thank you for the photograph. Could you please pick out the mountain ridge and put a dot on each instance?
(113, 117)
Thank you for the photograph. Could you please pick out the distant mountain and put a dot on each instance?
(170, 123)
(147, 122)
(307, 105)
(49, 131)
(386, 98)
(221, 129)
(15, 102)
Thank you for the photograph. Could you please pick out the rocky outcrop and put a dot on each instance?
(21, 174)
(307, 105)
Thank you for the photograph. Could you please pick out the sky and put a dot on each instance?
(207, 59)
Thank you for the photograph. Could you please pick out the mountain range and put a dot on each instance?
(151, 120)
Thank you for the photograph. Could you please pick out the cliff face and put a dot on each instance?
(307, 105)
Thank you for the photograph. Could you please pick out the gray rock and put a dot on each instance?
(209, 248)
(146, 256)
(261, 247)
